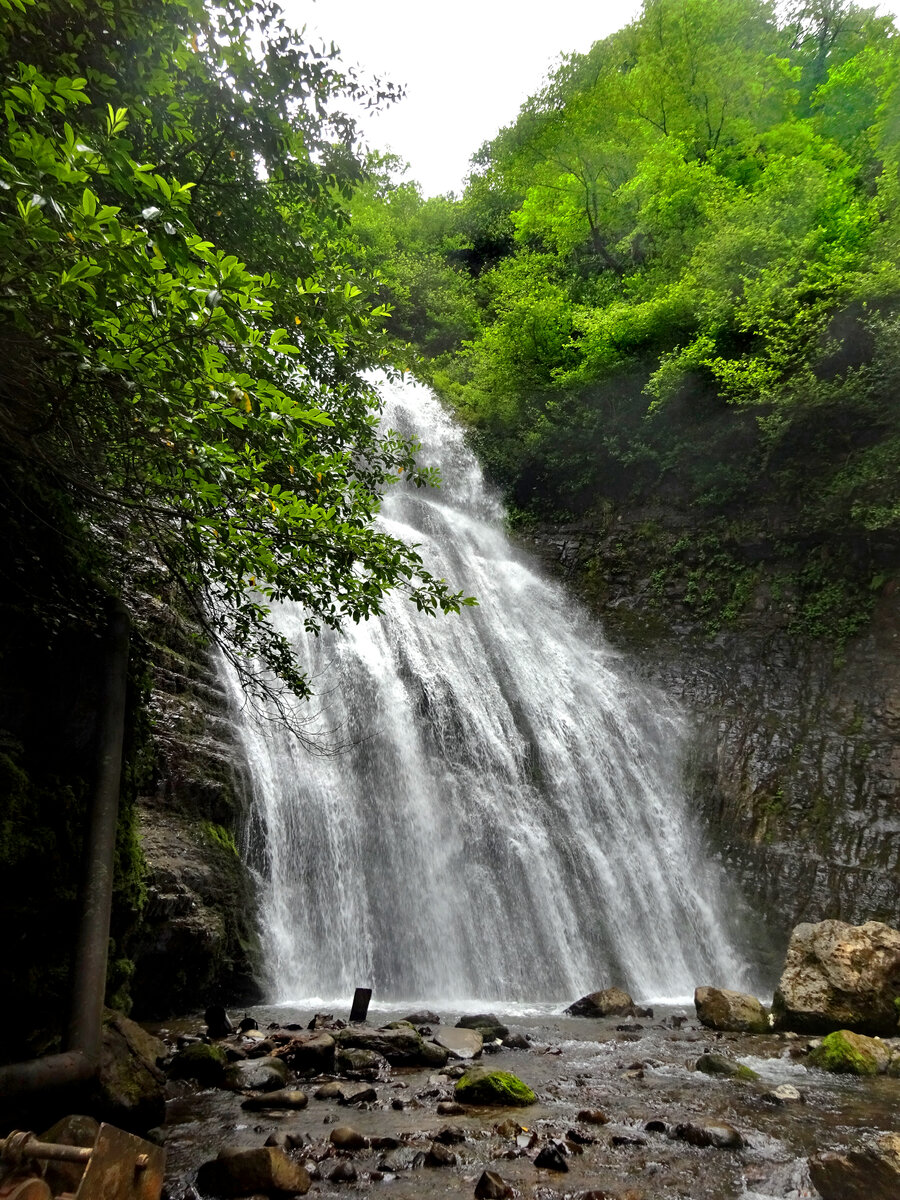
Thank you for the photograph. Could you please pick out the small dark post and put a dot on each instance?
(361, 998)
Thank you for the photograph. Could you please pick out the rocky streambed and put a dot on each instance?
(621, 1111)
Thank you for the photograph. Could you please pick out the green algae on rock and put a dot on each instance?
(848, 1053)
(493, 1087)
(201, 1061)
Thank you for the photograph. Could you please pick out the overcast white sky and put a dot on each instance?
(467, 65)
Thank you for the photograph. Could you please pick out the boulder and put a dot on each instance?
(610, 1002)
(286, 1098)
(460, 1042)
(839, 976)
(870, 1173)
(130, 1091)
(494, 1088)
(848, 1053)
(309, 1052)
(718, 1064)
(256, 1075)
(402, 1047)
(201, 1061)
(266, 1169)
(731, 1012)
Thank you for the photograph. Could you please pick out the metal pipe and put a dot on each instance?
(93, 939)
(81, 1061)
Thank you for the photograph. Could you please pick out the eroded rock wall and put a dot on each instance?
(795, 755)
(198, 940)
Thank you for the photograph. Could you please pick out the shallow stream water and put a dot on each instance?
(634, 1076)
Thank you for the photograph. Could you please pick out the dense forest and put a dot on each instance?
(672, 283)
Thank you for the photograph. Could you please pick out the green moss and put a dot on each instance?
(493, 1087)
(221, 837)
(847, 1053)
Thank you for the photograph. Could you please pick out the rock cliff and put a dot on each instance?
(795, 753)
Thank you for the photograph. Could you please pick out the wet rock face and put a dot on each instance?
(839, 976)
(198, 941)
(730, 1012)
(795, 756)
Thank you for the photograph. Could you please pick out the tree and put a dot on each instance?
(196, 409)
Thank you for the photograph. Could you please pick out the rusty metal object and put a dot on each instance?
(119, 1166)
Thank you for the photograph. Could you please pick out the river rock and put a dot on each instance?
(287, 1098)
(309, 1052)
(610, 1002)
(847, 1053)
(449, 1108)
(266, 1169)
(731, 1012)
(460, 1042)
(201, 1061)
(785, 1093)
(489, 1026)
(718, 1064)
(870, 1173)
(718, 1134)
(839, 976)
(439, 1155)
(359, 1093)
(492, 1186)
(402, 1047)
(593, 1116)
(551, 1158)
(130, 1088)
(256, 1075)
(344, 1137)
(362, 1064)
(423, 1018)
(493, 1088)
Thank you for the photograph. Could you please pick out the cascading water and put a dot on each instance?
(508, 820)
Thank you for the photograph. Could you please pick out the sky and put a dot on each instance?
(467, 65)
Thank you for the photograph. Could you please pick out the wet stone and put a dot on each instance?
(552, 1158)
(439, 1156)
(492, 1186)
(343, 1137)
(717, 1134)
(449, 1108)
(785, 1093)
(593, 1116)
(287, 1098)
(450, 1135)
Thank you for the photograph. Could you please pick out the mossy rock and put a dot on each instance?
(493, 1087)
(717, 1064)
(201, 1061)
(848, 1053)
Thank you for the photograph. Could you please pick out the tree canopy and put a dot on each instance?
(184, 335)
(675, 280)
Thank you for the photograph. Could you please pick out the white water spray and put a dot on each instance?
(509, 823)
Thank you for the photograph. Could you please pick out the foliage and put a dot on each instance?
(698, 302)
(182, 333)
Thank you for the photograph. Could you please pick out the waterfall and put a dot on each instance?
(508, 820)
